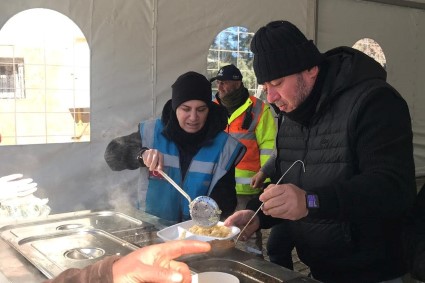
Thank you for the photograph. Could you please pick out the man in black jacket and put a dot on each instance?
(352, 131)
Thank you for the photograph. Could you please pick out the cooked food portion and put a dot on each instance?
(218, 231)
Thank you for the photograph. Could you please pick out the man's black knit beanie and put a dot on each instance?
(191, 86)
(281, 49)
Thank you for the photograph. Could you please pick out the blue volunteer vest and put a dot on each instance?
(208, 166)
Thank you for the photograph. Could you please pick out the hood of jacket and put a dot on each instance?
(347, 67)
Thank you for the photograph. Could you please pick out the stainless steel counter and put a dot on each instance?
(248, 268)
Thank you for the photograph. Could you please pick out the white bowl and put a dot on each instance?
(214, 277)
(180, 231)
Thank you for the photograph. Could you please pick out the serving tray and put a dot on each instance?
(109, 221)
(55, 252)
(72, 240)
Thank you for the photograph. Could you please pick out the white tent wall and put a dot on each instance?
(400, 31)
(138, 48)
(186, 29)
(74, 176)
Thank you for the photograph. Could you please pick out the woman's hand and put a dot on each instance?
(155, 263)
(153, 159)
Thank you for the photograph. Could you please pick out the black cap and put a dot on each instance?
(281, 49)
(228, 73)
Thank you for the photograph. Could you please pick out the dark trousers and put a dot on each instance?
(280, 246)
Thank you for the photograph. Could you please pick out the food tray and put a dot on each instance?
(109, 221)
(56, 252)
(181, 231)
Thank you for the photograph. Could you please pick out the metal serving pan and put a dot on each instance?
(52, 253)
(109, 221)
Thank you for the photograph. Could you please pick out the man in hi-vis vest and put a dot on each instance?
(250, 121)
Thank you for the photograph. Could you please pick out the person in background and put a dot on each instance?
(250, 121)
(153, 263)
(189, 144)
(352, 130)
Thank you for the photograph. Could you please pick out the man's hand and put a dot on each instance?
(155, 263)
(284, 201)
(257, 181)
(240, 218)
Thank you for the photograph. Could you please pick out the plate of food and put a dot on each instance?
(190, 231)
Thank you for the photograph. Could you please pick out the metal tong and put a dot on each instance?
(277, 183)
(174, 184)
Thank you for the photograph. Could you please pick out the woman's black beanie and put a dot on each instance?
(191, 86)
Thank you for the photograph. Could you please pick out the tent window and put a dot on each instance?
(44, 80)
(232, 46)
(12, 83)
(371, 48)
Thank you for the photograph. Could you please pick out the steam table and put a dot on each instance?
(15, 267)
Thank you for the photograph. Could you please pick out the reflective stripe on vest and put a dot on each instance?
(253, 158)
(251, 162)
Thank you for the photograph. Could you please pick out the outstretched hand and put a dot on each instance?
(156, 263)
(240, 218)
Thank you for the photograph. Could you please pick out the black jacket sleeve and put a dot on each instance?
(121, 153)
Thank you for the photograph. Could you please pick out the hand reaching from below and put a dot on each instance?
(156, 263)
(240, 218)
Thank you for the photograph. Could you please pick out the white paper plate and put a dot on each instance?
(181, 231)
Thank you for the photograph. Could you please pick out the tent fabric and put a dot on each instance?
(139, 47)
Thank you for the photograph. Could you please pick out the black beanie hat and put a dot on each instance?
(191, 86)
(281, 49)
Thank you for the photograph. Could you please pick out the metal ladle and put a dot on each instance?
(203, 210)
(277, 183)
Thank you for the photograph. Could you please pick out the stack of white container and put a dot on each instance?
(17, 200)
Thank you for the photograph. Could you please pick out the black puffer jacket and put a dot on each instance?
(356, 145)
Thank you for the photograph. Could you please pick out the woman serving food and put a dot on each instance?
(187, 143)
